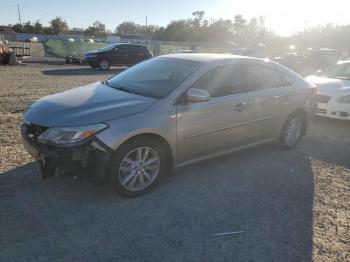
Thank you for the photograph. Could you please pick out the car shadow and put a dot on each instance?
(176, 221)
(80, 72)
(53, 62)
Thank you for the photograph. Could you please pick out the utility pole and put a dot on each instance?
(19, 15)
(146, 24)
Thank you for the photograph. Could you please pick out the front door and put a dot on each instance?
(208, 128)
(119, 55)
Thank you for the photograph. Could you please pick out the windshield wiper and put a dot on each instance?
(120, 88)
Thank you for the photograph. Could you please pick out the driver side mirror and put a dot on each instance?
(197, 95)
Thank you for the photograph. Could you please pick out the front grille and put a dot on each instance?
(323, 99)
(34, 131)
(321, 111)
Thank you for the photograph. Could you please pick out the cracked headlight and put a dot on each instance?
(70, 135)
(344, 99)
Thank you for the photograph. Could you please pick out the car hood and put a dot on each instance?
(93, 52)
(85, 105)
(330, 84)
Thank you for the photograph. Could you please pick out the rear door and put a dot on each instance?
(268, 100)
(137, 54)
(210, 127)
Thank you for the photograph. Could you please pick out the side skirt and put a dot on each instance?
(199, 159)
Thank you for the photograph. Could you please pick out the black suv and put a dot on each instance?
(117, 55)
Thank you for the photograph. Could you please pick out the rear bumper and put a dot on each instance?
(334, 110)
(91, 156)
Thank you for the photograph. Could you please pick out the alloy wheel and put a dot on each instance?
(292, 131)
(104, 65)
(139, 168)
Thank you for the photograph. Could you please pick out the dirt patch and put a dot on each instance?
(331, 214)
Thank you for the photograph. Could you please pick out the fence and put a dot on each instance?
(61, 48)
(7, 36)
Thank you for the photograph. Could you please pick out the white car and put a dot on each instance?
(334, 91)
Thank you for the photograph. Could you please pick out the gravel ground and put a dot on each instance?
(291, 205)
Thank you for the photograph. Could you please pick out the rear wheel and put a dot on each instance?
(292, 131)
(103, 64)
(137, 166)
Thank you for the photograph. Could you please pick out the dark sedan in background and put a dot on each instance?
(117, 55)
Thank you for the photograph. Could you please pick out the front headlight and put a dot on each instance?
(69, 135)
(344, 99)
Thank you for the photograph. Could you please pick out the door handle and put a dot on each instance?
(240, 107)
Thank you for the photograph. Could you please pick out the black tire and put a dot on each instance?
(103, 64)
(113, 171)
(283, 141)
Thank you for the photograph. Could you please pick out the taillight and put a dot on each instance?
(316, 90)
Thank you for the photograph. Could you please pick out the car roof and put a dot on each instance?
(129, 44)
(205, 57)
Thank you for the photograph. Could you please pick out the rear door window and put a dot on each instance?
(260, 77)
(135, 49)
(221, 81)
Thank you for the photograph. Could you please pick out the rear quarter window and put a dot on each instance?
(138, 49)
(261, 76)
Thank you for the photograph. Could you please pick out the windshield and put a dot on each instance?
(154, 78)
(108, 47)
(340, 71)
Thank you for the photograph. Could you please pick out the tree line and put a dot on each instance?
(194, 29)
(238, 31)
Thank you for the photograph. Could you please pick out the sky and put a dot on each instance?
(283, 17)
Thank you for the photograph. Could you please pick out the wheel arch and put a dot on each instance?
(157, 137)
(103, 57)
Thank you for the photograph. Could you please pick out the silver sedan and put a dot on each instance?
(166, 112)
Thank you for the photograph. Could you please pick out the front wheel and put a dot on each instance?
(292, 131)
(103, 64)
(137, 167)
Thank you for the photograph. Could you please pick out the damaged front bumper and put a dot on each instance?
(90, 156)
